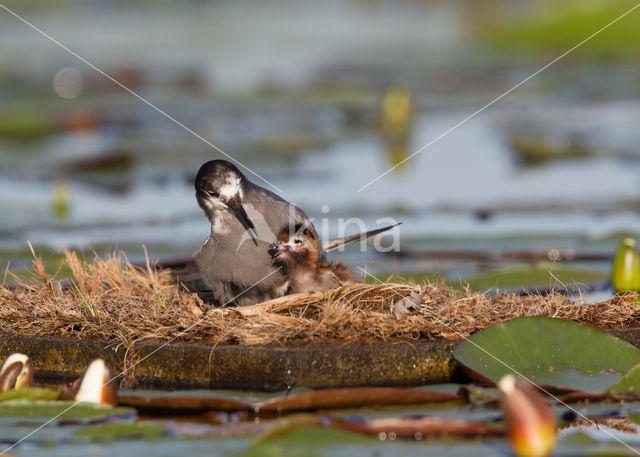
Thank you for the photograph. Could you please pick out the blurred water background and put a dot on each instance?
(320, 99)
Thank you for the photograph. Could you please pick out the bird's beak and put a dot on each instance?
(285, 248)
(274, 249)
(237, 208)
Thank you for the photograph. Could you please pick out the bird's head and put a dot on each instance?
(220, 187)
(299, 245)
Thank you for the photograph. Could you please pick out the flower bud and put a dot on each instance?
(16, 372)
(530, 422)
(97, 385)
(625, 273)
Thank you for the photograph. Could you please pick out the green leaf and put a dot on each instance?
(29, 393)
(549, 352)
(66, 409)
(122, 430)
(628, 385)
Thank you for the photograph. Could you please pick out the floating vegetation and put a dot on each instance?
(534, 150)
(557, 27)
(567, 356)
(132, 304)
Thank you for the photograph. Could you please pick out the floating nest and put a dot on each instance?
(110, 299)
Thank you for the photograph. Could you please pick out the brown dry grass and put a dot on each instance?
(110, 299)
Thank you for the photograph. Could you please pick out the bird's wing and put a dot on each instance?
(335, 243)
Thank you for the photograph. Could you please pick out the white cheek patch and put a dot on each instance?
(231, 187)
(221, 220)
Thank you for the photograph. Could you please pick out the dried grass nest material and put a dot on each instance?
(110, 299)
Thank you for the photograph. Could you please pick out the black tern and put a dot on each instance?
(245, 220)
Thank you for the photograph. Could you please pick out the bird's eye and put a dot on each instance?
(212, 193)
(297, 241)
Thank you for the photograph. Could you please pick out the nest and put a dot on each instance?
(110, 299)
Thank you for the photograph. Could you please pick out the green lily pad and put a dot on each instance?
(628, 385)
(68, 410)
(550, 352)
(29, 393)
(122, 430)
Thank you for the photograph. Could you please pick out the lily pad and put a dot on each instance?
(554, 353)
(122, 430)
(628, 385)
(29, 393)
(68, 410)
(302, 401)
(172, 402)
(354, 397)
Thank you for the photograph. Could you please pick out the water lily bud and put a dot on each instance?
(397, 111)
(531, 425)
(625, 274)
(97, 385)
(16, 372)
(61, 200)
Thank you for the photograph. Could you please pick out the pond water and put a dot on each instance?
(284, 95)
(197, 436)
(550, 173)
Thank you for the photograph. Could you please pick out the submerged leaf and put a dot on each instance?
(554, 353)
(416, 427)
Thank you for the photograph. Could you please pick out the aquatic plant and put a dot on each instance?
(625, 272)
(133, 304)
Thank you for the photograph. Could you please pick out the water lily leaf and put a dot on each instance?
(29, 393)
(554, 353)
(288, 425)
(122, 430)
(309, 441)
(303, 401)
(68, 410)
(354, 397)
(171, 402)
(574, 397)
(447, 388)
(628, 385)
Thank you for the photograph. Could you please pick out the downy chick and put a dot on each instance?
(305, 269)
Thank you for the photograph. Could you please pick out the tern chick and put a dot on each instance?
(306, 271)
